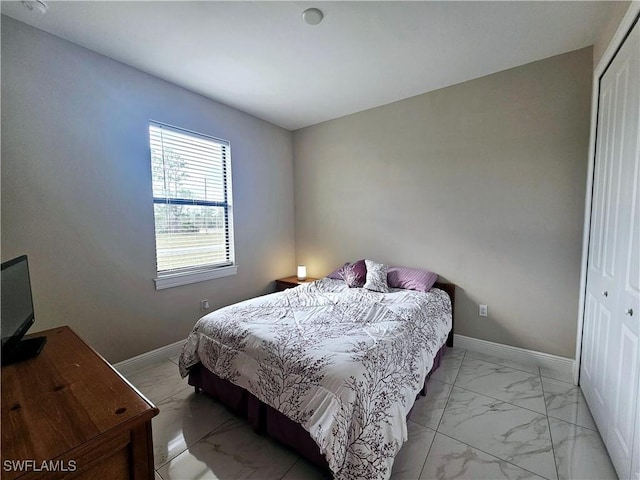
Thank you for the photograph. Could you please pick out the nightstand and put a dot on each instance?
(290, 282)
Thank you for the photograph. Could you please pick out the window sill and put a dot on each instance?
(170, 281)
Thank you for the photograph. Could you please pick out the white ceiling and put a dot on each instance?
(260, 57)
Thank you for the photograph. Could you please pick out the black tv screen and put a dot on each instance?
(17, 304)
(17, 312)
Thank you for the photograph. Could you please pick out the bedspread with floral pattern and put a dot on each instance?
(345, 363)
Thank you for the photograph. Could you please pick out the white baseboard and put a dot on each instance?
(127, 367)
(516, 354)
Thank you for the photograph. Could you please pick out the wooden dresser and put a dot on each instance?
(68, 414)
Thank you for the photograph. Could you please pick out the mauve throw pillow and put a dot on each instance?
(376, 277)
(337, 273)
(353, 274)
(411, 278)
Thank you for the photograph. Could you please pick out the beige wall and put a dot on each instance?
(76, 193)
(482, 182)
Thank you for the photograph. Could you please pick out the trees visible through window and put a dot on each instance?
(192, 200)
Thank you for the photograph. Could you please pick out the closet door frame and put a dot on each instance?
(615, 43)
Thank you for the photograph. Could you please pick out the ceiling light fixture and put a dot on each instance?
(312, 16)
(36, 5)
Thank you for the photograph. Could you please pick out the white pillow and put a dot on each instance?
(376, 277)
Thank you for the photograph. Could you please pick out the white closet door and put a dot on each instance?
(610, 363)
(627, 314)
(601, 260)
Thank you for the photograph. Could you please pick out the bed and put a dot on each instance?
(329, 370)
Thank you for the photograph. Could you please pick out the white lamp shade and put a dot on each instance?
(302, 272)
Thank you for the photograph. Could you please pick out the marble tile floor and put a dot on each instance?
(483, 418)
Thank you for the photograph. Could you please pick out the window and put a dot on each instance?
(192, 206)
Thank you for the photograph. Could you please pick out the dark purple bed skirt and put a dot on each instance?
(265, 419)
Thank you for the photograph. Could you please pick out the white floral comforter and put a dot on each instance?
(345, 363)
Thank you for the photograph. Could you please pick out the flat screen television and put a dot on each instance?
(17, 313)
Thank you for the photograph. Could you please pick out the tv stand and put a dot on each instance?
(68, 414)
(25, 349)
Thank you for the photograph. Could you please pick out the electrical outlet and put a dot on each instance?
(204, 305)
(483, 310)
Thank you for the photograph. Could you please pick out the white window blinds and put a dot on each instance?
(192, 200)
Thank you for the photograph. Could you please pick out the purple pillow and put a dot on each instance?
(354, 274)
(337, 273)
(411, 278)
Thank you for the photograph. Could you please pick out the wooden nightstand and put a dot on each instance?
(290, 282)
